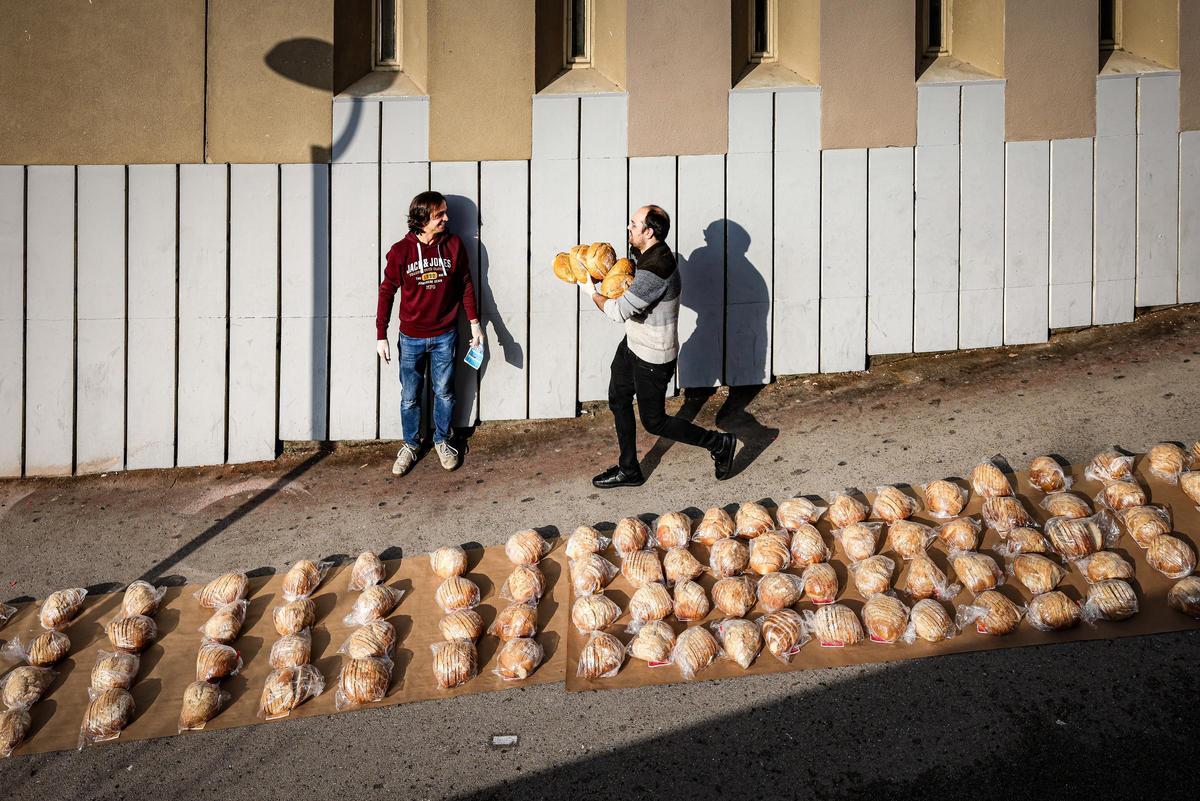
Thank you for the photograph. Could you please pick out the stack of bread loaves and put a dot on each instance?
(516, 625)
(293, 679)
(366, 672)
(596, 262)
(455, 658)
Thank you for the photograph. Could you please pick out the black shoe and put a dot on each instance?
(723, 456)
(616, 477)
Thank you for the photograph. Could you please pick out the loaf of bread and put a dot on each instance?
(691, 601)
(562, 268)
(362, 681)
(728, 557)
(845, 509)
(734, 595)
(751, 520)
(46, 649)
(679, 564)
(924, 579)
(215, 661)
(591, 573)
(770, 552)
(225, 589)
(1046, 474)
(119, 669)
(885, 618)
(820, 583)
(294, 616)
(808, 546)
(892, 504)
(585, 540)
(653, 642)
(524, 585)
(944, 498)
(835, 626)
(286, 689)
(202, 702)
(14, 727)
(779, 590)
(367, 571)
(1066, 504)
(1166, 461)
(23, 685)
(1104, 565)
(141, 598)
(1110, 600)
(61, 607)
(291, 651)
(641, 567)
(695, 649)
(715, 525)
(910, 538)
(991, 613)
(132, 634)
(783, 632)
(1119, 495)
(461, 624)
(601, 656)
(673, 530)
(1109, 465)
(1144, 523)
(977, 571)
(599, 259)
(518, 659)
(614, 285)
(449, 561)
(630, 535)
(370, 640)
(740, 640)
(594, 612)
(1184, 596)
(520, 620)
(928, 621)
(651, 602)
(456, 592)
(378, 601)
(989, 481)
(302, 579)
(1074, 538)
(1005, 512)
(793, 513)
(1171, 556)
(859, 540)
(1053, 611)
(1037, 573)
(1026, 540)
(1189, 482)
(873, 575)
(225, 624)
(961, 533)
(106, 716)
(621, 267)
(526, 547)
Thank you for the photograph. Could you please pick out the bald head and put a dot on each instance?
(648, 226)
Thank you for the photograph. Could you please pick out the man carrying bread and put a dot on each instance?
(645, 360)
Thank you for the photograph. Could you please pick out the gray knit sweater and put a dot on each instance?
(649, 308)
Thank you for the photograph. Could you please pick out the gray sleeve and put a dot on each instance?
(641, 296)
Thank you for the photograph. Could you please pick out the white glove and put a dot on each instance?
(476, 334)
(588, 286)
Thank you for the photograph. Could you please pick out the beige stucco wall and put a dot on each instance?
(608, 39)
(677, 72)
(260, 113)
(1050, 61)
(1189, 65)
(868, 92)
(415, 41)
(1150, 29)
(977, 33)
(351, 42)
(101, 83)
(481, 79)
(799, 26)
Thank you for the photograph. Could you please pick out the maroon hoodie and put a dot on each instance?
(434, 280)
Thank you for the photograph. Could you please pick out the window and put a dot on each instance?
(1110, 24)
(577, 38)
(935, 27)
(762, 31)
(386, 35)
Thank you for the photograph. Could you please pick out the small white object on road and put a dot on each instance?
(504, 740)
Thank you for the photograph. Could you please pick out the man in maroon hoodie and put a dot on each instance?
(429, 267)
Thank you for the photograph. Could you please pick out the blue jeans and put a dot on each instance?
(439, 352)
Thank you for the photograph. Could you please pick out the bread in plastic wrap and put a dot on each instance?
(653, 643)
(630, 535)
(1123, 494)
(1066, 504)
(1112, 600)
(845, 509)
(375, 639)
(24, 685)
(1074, 538)
(943, 498)
(132, 634)
(367, 571)
(924, 579)
(294, 616)
(977, 571)
(1184, 596)
(225, 589)
(106, 716)
(715, 525)
(873, 575)
(752, 519)
(783, 633)
(820, 583)
(520, 620)
(1171, 556)
(303, 579)
(517, 659)
(1006, 512)
(379, 601)
(202, 702)
(728, 557)
(834, 626)
(739, 639)
(885, 618)
(288, 688)
(695, 649)
(991, 612)
(526, 547)
(142, 598)
(650, 602)
(734, 595)
(859, 540)
(6, 613)
(120, 669)
(691, 601)
(449, 561)
(61, 607)
(1167, 461)
(1104, 565)
(909, 538)
(594, 612)
(641, 567)
(461, 624)
(1036, 572)
(601, 657)
(291, 651)
(1025, 540)
(585, 540)
(929, 621)
(962, 533)
(1109, 465)
(1052, 611)
(364, 680)
(808, 546)
(1189, 482)
(770, 552)
(216, 661)
(524, 585)
(1144, 523)
(680, 565)
(1046, 474)
(44, 650)
(14, 728)
(591, 573)
(779, 590)
(989, 481)
(225, 624)
(793, 513)
(892, 504)
(673, 530)
(456, 592)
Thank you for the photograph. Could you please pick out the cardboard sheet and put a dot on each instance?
(168, 666)
(1154, 615)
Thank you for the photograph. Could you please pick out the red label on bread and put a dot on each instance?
(657, 664)
(823, 601)
(832, 644)
(880, 639)
(795, 649)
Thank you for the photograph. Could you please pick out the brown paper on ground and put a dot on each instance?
(169, 665)
(1153, 617)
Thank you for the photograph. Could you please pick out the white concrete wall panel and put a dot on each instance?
(890, 250)
(356, 128)
(603, 121)
(749, 256)
(150, 378)
(603, 199)
(1026, 242)
(1070, 233)
(700, 225)
(1189, 217)
(404, 130)
(843, 260)
(1114, 222)
(981, 217)
(935, 220)
(652, 180)
(12, 318)
(1157, 190)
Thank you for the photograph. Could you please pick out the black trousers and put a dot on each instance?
(632, 377)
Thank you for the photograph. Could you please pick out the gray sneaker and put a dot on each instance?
(406, 457)
(447, 454)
